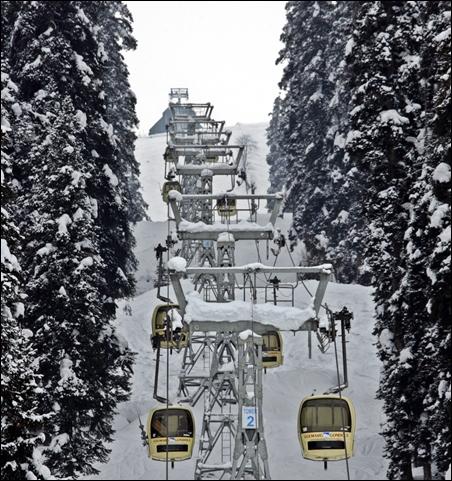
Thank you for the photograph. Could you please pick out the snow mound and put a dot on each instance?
(178, 264)
(175, 195)
(442, 173)
(225, 237)
(244, 335)
(393, 116)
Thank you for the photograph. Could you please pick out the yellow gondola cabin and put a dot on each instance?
(322, 422)
(178, 332)
(272, 349)
(170, 430)
(227, 207)
(211, 159)
(168, 187)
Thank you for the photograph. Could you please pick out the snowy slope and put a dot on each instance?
(283, 387)
(283, 390)
(149, 152)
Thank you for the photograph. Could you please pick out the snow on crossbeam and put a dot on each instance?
(232, 195)
(218, 227)
(323, 270)
(225, 237)
(176, 262)
(261, 268)
(245, 313)
(215, 467)
(242, 230)
(218, 168)
(209, 147)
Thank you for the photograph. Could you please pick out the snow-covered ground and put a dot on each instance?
(283, 387)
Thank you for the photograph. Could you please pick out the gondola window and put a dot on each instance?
(180, 424)
(325, 415)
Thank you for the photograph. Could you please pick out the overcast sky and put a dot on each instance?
(223, 51)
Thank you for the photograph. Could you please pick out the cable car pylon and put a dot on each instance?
(222, 359)
(198, 150)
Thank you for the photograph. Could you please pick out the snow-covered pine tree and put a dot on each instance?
(309, 134)
(82, 361)
(116, 184)
(115, 35)
(307, 90)
(22, 423)
(427, 236)
(250, 146)
(275, 157)
(8, 11)
(339, 220)
(385, 123)
(427, 342)
(248, 141)
(70, 36)
(342, 191)
(430, 236)
(59, 63)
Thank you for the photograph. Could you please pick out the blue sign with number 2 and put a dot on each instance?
(249, 417)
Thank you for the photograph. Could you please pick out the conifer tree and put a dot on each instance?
(22, 432)
(386, 120)
(116, 31)
(85, 368)
(371, 191)
(305, 120)
(275, 157)
(123, 203)
(343, 191)
(428, 248)
(64, 43)
(309, 132)
(78, 194)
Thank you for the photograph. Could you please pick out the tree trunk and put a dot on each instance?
(427, 471)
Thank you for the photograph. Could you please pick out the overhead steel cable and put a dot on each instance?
(339, 388)
(167, 352)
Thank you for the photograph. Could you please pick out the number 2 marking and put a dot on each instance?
(250, 421)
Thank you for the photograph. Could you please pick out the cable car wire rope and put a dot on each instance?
(340, 397)
(290, 255)
(259, 258)
(253, 300)
(167, 355)
(293, 263)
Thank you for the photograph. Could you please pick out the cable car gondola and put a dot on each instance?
(271, 349)
(170, 431)
(178, 332)
(168, 186)
(227, 207)
(323, 422)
